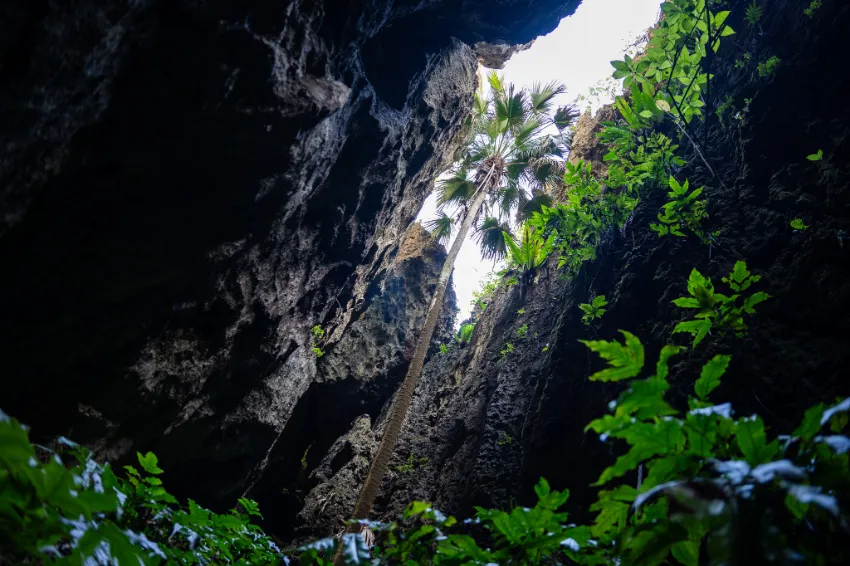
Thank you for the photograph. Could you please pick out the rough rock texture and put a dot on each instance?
(495, 55)
(187, 188)
(490, 426)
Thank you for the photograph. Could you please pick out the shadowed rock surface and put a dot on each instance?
(188, 188)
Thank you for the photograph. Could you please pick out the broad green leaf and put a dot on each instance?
(697, 328)
(753, 300)
(710, 375)
(752, 441)
(798, 224)
(702, 434)
(815, 156)
(645, 399)
(686, 552)
(667, 352)
(612, 514)
(811, 422)
(149, 463)
(15, 447)
(626, 360)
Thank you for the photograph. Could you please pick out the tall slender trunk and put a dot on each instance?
(404, 397)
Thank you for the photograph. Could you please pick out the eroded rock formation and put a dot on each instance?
(188, 188)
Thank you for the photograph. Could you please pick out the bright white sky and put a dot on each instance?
(579, 54)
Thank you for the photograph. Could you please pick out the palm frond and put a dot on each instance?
(547, 172)
(509, 109)
(510, 197)
(441, 228)
(496, 82)
(490, 237)
(541, 96)
(565, 116)
(527, 130)
(455, 190)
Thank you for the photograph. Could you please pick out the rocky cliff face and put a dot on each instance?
(486, 426)
(188, 188)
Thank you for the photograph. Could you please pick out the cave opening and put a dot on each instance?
(578, 54)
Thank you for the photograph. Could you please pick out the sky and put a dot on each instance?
(579, 54)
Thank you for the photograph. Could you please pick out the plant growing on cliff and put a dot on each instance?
(717, 489)
(812, 8)
(530, 251)
(522, 331)
(716, 310)
(798, 224)
(507, 155)
(753, 13)
(768, 67)
(318, 333)
(594, 309)
(684, 211)
(411, 464)
(815, 156)
(508, 349)
(465, 333)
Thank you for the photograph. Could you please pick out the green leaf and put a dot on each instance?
(710, 375)
(798, 224)
(697, 328)
(686, 552)
(645, 400)
(702, 434)
(753, 300)
(15, 447)
(626, 360)
(751, 439)
(811, 422)
(611, 514)
(667, 352)
(149, 462)
(815, 156)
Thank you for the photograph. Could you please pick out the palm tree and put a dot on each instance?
(507, 155)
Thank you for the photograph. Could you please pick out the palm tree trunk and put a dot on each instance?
(404, 397)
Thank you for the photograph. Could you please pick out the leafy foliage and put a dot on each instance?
(522, 331)
(465, 333)
(411, 464)
(684, 211)
(626, 359)
(441, 228)
(753, 13)
(61, 507)
(815, 156)
(594, 309)
(718, 490)
(508, 349)
(716, 310)
(812, 8)
(530, 251)
(798, 224)
(318, 334)
(768, 67)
